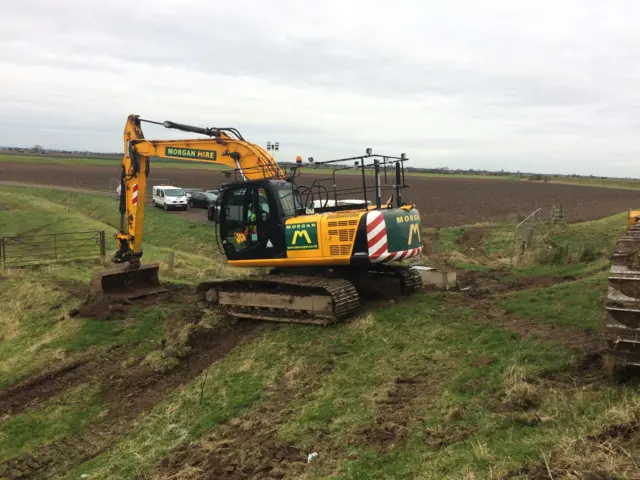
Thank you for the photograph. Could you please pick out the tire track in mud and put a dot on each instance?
(247, 447)
(42, 387)
(129, 393)
(479, 290)
(611, 439)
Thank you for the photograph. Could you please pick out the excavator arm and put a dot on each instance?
(226, 146)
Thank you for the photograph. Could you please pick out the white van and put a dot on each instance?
(169, 197)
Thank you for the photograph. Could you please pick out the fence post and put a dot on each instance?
(55, 249)
(2, 257)
(171, 260)
(103, 252)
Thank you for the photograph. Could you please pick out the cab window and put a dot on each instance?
(289, 199)
(240, 219)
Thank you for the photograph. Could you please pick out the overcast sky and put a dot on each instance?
(532, 86)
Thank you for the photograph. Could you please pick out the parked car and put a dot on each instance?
(213, 212)
(189, 191)
(169, 197)
(201, 199)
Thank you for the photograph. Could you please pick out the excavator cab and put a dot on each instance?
(252, 218)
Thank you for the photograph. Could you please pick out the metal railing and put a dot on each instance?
(32, 250)
(531, 219)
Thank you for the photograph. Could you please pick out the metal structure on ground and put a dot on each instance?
(623, 295)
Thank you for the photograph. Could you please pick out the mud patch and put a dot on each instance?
(487, 313)
(472, 238)
(127, 394)
(248, 447)
(604, 456)
(40, 388)
(481, 284)
(391, 422)
(140, 387)
(73, 288)
(103, 307)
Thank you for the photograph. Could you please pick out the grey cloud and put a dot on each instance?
(497, 83)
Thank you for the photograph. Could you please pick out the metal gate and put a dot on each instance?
(29, 250)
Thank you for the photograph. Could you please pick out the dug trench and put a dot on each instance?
(479, 284)
(249, 447)
(127, 393)
(601, 456)
(590, 368)
(90, 366)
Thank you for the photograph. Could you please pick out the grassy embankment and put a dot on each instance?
(431, 387)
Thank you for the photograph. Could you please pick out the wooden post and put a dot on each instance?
(171, 260)
(103, 251)
(2, 255)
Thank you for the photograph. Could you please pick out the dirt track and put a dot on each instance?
(443, 202)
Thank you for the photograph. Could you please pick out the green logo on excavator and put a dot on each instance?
(191, 153)
(302, 236)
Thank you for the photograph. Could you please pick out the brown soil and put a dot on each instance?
(609, 440)
(127, 394)
(472, 238)
(443, 202)
(390, 424)
(103, 307)
(486, 312)
(248, 447)
(40, 388)
(480, 284)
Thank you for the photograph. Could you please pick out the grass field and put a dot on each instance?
(508, 383)
(102, 162)
(624, 183)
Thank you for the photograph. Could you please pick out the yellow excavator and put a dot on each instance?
(322, 254)
(623, 296)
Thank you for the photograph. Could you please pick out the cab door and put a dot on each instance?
(251, 226)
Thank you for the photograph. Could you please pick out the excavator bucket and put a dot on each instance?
(127, 283)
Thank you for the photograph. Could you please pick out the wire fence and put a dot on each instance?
(32, 250)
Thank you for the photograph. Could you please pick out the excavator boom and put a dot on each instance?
(225, 147)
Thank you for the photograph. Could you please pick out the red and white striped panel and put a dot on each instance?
(377, 241)
(376, 235)
(134, 196)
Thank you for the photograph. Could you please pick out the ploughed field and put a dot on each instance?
(443, 202)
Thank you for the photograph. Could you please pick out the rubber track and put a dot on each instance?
(410, 279)
(623, 298)
(342, 292)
